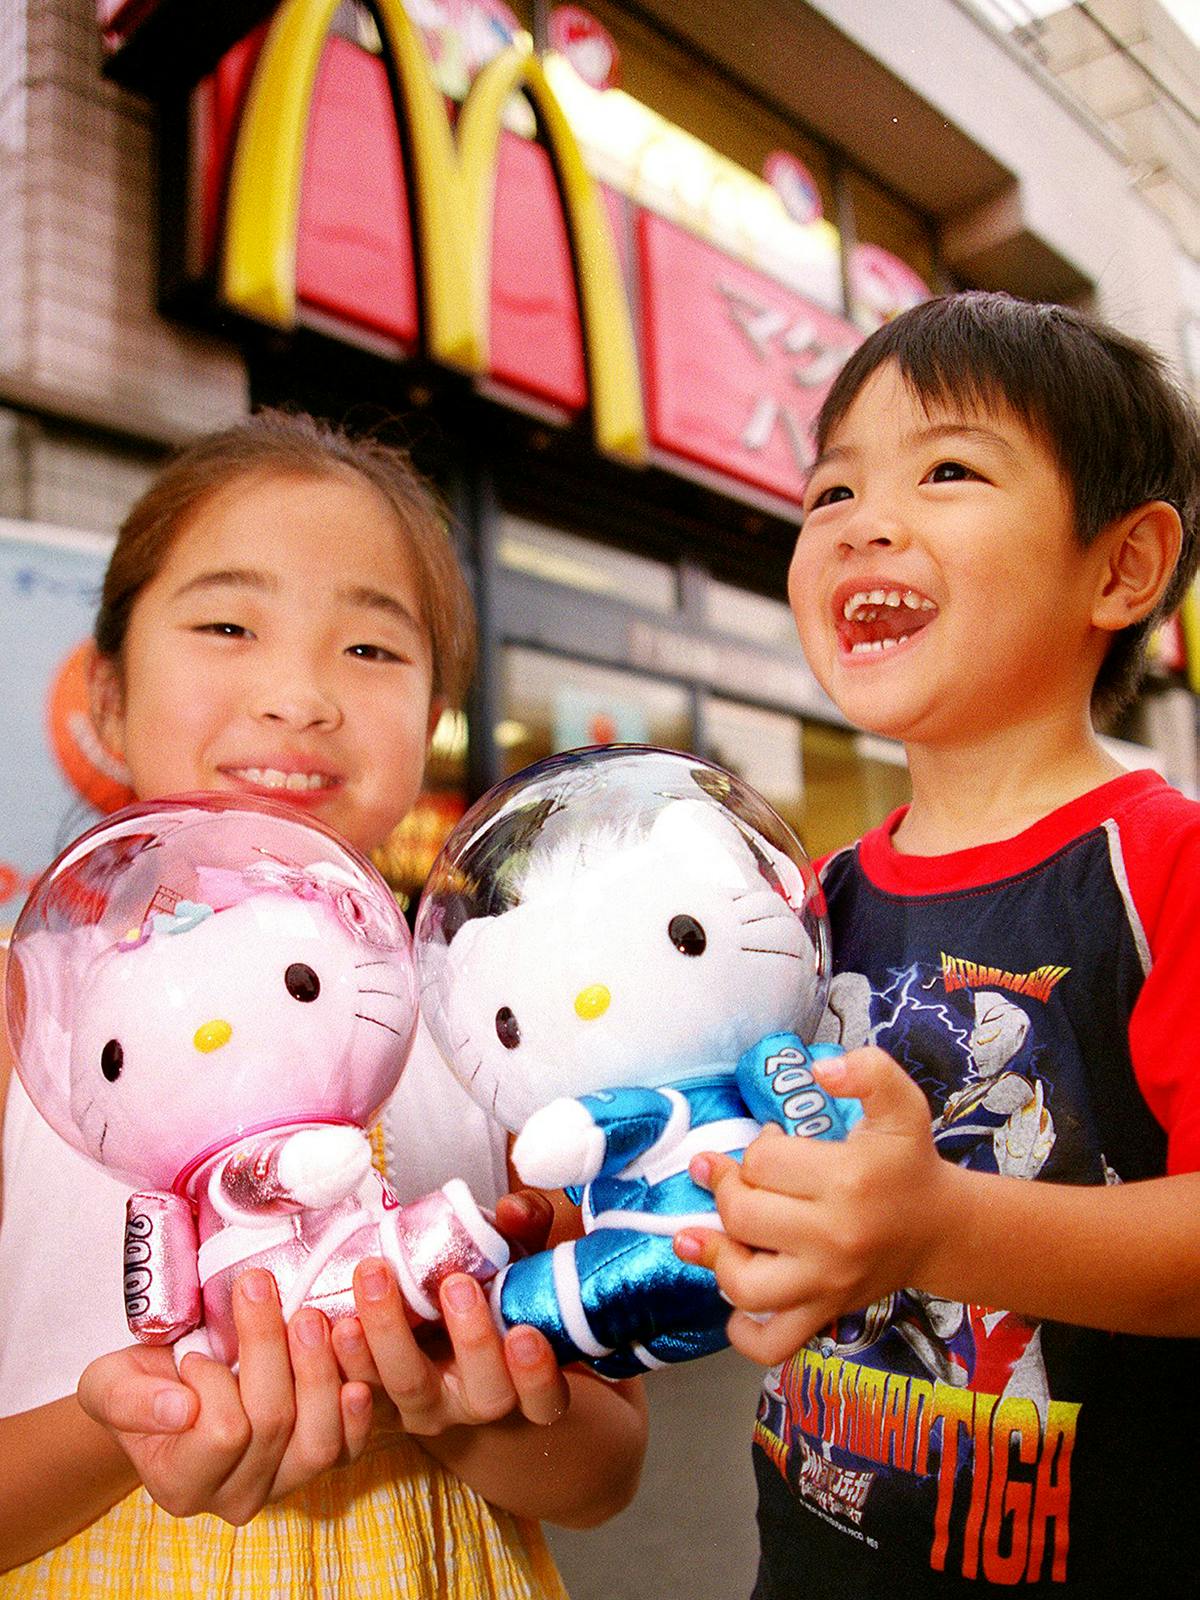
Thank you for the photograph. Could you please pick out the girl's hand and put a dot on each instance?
(481, 1377)
(817, 1228)
(207, 1440)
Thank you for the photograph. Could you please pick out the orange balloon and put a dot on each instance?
(94, 772)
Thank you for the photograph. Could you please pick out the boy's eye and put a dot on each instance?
(950, 472)
(224, 630)
(831, 496)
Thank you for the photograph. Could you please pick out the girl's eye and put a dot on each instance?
(832, 495)
(950, 472)
(301, 982)
(508, 1030)
(687, 935)
(371, 652)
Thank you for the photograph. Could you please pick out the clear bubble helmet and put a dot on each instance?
(621, 950)
(609, 905)
(189, 972)
(214, 997)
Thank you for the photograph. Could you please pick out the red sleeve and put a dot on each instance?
(1162, 862)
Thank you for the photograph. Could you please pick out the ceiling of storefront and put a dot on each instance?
(804, 66)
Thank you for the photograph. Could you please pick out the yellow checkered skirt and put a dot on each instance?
(394, 1524)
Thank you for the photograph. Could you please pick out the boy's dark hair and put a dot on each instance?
(1120, 428)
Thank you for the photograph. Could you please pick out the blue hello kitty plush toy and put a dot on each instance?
(624, 957)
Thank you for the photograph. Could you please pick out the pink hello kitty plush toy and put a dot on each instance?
(214, 1000)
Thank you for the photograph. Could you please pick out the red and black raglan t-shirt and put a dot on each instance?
(1044, 992)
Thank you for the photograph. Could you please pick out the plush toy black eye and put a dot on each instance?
(686, 934)
(508, 1030)
(302, 982)
(112, 1059)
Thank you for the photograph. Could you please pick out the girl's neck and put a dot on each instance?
(978, 792)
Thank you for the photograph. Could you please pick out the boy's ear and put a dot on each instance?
(436, 707)
(106, 701)
(1142, 549)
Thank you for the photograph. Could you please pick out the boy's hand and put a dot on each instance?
(481, 1377)
(209, 1440)
(815, 1228)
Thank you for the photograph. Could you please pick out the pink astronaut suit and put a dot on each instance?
(214, 999)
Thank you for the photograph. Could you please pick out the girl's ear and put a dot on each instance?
(106, 701)
(1143, 547)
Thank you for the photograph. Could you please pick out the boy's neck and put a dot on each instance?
(974, 794)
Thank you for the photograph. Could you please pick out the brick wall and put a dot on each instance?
(80, 337)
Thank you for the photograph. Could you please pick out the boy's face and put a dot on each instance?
(278, 651)
(938, 586)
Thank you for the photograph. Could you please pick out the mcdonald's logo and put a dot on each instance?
(454, 181)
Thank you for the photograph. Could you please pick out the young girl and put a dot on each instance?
(283, 615)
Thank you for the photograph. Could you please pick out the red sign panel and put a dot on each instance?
(736, 364)
(354, 256)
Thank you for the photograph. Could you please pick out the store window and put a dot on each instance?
(578, 563)
(554, 703)
(408, 853)
(851, 783)
(763, 747)
(755, 617)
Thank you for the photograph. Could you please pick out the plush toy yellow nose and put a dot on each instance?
(212, 1035)
(592, 1002)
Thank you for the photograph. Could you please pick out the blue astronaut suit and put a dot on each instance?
(619, 1298)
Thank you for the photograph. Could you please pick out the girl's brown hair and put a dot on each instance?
(291, 444)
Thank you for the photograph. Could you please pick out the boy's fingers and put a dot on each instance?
(773, 1339)
(137, 1391)
(709, 1169)
(755, 1280)
(890, 1098)
(540, 1382)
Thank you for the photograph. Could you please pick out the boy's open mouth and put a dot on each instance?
(870, 621)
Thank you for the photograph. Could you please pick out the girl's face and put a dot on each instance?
(279, 651)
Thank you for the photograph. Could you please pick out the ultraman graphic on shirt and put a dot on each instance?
(953, 1396)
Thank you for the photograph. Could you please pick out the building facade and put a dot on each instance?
(687, 219)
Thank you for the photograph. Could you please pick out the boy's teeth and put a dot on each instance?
(863, 606)
(878, 645)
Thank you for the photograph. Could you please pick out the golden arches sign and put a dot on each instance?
(454, 183)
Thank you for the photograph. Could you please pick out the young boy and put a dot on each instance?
(1005, 503)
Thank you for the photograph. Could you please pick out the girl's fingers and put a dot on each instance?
(264, 1365)
(317, 1438)
(357, 1406)
(353, 1352)
(525, 1218)
(486, 1390)
(408, 1376)
(539, 1381)
(137, 1391)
